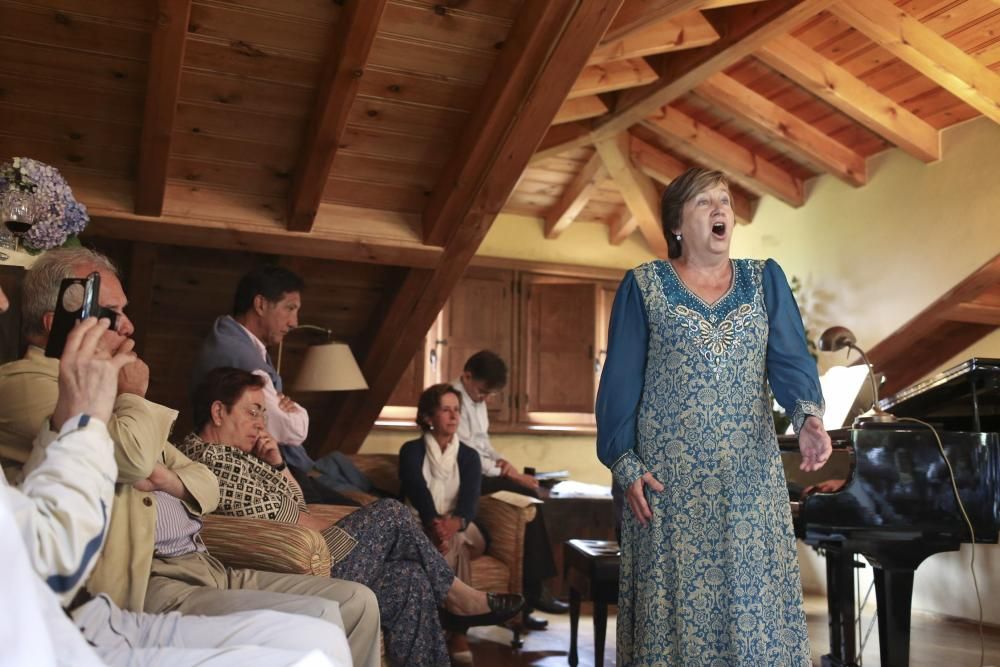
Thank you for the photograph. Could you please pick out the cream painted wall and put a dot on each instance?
(871, 258)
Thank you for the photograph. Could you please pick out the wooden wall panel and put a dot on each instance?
(420, 89)
(88, 70)
(439, 60)
(239, 93)
(242, 59)
(190, 287)
(262, 30)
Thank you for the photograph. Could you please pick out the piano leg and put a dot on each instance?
(840, 606)
(893, 593)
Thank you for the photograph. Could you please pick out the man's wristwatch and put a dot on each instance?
(280, 467)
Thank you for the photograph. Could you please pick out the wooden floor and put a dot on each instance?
(935, 642)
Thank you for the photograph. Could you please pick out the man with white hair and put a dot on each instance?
(153, 558)
(61, 514)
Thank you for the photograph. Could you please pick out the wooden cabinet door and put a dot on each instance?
(560, 344)
(480, 316)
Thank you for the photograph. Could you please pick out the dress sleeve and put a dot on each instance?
(621, 384)
(791, 371)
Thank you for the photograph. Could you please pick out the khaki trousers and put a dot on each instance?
(198, 583)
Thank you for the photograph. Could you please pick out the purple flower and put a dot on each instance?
(59, 215)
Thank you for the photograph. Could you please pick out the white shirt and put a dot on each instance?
(288, 428)
(61, 513)
(473, 430)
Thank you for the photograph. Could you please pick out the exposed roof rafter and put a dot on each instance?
(743, 30)
(664, 168)
(788, 129)
(924, 50)
(163, 84)
(853, 97)
(636, 188)
(352, 36)
(716, 151)
(575, 197)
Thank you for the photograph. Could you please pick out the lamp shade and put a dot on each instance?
(329, 367)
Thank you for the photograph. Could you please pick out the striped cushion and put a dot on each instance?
(265, 545)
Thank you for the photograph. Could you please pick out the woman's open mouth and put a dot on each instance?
(719, 229)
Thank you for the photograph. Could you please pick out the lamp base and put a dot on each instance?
(874, 418)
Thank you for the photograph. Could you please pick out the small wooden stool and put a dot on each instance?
(590, 567)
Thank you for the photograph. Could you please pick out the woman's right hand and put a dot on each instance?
(637, 499)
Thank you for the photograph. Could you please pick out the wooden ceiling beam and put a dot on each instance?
(580, 108)
(351, 39)
(712, 149)
(637, 14)
(788, 129)
(636, 189)
(664, 168)
(561, 138)
(932, 337)
(575, 197)
(904, 36)
(622, 227)
(742, 29)
(163, 84)
(546, 50)
(501, 103)
(674, 33)
(615, 75)
(853, 97)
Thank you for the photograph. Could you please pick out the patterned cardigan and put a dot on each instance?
(250, 487)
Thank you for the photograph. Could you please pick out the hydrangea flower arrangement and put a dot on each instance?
(60, 217)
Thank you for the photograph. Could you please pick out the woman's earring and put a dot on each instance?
(677, 236)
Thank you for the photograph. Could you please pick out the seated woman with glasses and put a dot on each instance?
(379, 545)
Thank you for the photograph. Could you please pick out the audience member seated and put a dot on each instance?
(484, 374)
(153, 558)
(379, 545)
(61, 515)
(440, 477)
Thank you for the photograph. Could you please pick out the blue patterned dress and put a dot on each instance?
(714, 579)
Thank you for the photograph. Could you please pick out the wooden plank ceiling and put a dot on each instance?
(394, 131)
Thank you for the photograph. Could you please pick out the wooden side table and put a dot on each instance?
(591, 567)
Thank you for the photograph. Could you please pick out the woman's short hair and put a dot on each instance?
(40, 290)
(270, 281)
(223, 384)
(678, 193)
(430, 401)
(489, 368)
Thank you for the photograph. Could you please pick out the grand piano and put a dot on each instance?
(896, 506)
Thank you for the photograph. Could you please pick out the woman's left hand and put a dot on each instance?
(814, 443)
(266, 449)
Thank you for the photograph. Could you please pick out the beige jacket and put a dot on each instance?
(28, 392)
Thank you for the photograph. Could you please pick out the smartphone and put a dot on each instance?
(78, 300)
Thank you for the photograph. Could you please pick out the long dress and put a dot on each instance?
(713, 580)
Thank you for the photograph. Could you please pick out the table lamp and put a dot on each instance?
(329, 366)
(839, 338)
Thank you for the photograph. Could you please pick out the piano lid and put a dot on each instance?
(963, 398)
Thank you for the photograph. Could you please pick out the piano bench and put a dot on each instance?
(590, 568)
